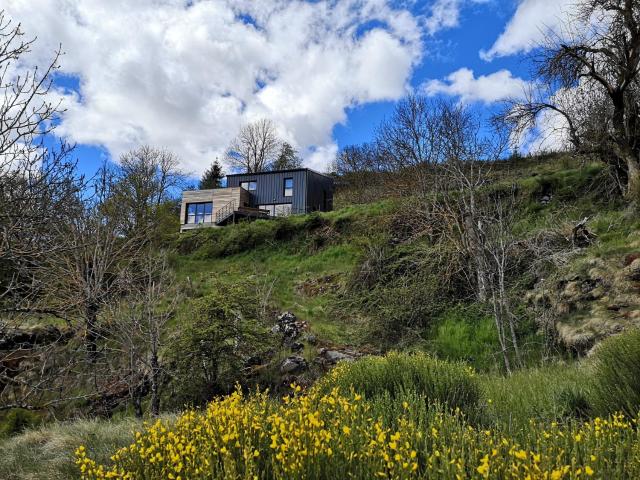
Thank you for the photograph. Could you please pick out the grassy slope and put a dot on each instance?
(303, 256)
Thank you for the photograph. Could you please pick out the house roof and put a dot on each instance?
(280, 171)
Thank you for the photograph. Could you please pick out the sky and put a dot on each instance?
(186, 74)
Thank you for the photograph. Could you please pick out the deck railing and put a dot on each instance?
(225, 212)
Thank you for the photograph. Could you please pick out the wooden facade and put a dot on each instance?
(220, 197)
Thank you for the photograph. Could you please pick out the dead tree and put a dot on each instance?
(256, 146)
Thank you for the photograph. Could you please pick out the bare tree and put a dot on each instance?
(145, 178)
(138, 323)
(589, 76)
(38, 184)
(255, 147)
(410, 139)
(80, 280)
(478, 221)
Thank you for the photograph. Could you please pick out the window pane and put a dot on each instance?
(191, 207)
(288, 187)
(191, 219)
(245, 185)
(283, 210)
(252, 185)
(207, 207)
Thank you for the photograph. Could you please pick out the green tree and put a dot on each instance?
(212, 177)
(287, 158)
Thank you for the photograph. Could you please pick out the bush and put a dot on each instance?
(438, 381)
(18, 420)
(209, 353)
(340, 435)
(617, 374)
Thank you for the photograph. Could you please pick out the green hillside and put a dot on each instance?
(365, 275)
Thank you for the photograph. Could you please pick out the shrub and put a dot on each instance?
(438, 381)
(617, 374)
(209, 353)
(340, 435)
(18, 420)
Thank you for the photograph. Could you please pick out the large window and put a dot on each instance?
(281, 210)
(199, 212)
(250, 185)
(288, 187)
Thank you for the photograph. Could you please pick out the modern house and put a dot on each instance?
(257, 195)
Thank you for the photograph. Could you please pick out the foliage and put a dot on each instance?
(446, 383)
(209, 352)
(18, 420)
(287, 158)
(342, 435)
(616, 374)
(465, 333)
(401, 291)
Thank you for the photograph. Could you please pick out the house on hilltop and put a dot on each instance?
(257, 195)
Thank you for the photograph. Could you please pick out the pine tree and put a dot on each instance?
(287, 158)
(212, 177)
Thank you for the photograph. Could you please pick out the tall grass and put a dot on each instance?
(437, 381)
(617, 374)
(539, 393)
(46, 453)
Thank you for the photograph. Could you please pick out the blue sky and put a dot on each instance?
(186, 75)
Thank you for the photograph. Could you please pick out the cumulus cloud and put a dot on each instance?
(187, 74)
(528, 26)
(490, 88)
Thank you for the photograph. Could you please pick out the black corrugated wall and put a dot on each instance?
(311, 190)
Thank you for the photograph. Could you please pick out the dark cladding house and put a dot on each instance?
(257, 195)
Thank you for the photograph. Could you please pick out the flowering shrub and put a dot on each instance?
(336, 435)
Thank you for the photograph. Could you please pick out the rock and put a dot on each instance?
(311, 339)
(545, 199)
(293, 363)
(289, 326)
(334, 356)
(632, 271)
(297, 346)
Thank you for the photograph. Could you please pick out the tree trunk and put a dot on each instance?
(633, 179)
(137, 402)
(92, 333)
(155, 387)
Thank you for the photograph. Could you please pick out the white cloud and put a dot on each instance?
(443, 14)
(490, 88)
(528, 26)
(186, 75)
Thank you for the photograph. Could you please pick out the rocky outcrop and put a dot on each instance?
(289, 327)
(293, 364)
(598, 298)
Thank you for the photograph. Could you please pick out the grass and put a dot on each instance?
(46, 453)
(533, 393)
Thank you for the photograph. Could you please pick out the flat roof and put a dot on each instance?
(299, 169)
